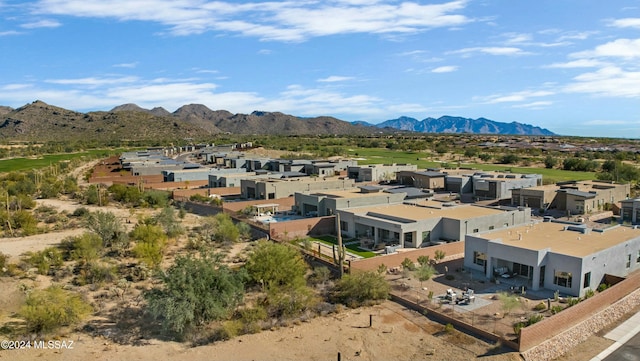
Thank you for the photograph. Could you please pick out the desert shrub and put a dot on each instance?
(509, 302)
(320, 275)
(46, 260)
(80, 212)
(151, 242)
(155, 198)
(589, 293)
(3, 261)
(96, 273)
(540, 306)
(108, 227)
(572, 301)
(49, 309)
(555, 309)
(361, 288)
(199, 198)
(24, 221)
(84, 248)
(602, 287)
(185, 301)
(408, 264)
(424, 260)
(228, 330)
(169, 221)
(534, 319)
(288, 302)
(252, 319)
(518, 326)
(448, 328)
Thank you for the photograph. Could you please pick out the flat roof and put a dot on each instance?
(417, 213)
(553, 235)
(347, 193)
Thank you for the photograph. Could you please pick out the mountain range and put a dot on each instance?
(448, 124)
(39, 121)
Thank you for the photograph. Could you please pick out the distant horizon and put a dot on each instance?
(568, 66)
(302, 117)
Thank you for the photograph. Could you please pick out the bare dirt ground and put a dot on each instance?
(396, 334)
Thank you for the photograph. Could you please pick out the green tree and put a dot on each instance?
(276, 265)
(550, 161)
(49, 309)
(425, 272)
(155, 198)
(439, 255)
(151, 242)
(169, 221)
(360, 288)
(509, 159)
(471, 152)
(108, 227)
(95, 195)
(225, 230)
(195, 291)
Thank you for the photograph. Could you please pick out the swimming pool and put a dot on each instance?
(276, 218)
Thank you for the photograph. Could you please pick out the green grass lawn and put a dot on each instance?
(328, 240)
(424, 160)
(18, 164)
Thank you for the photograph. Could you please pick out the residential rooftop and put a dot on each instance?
(560, 238)
(416, 212)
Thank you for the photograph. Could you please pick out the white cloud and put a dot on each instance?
(126, 65)
(9, 32)
(299, 100)
(521, 96)
(626, 23)
(515, 38)
(505, 50)
(583, 35)
(93, 82)
(335, 78)
(282, 21)
(581, 63)
(445, 69)
(41, 24)
(535, 105)
(610, 81)
(619, 48)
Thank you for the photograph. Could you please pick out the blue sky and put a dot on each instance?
(572, 66)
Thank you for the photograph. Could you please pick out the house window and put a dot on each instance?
(628, 261)
(562, 279)
(479, 258)
(476, 230)
(638, 258)
(491, 227)
(344, 226)
(587, 280)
